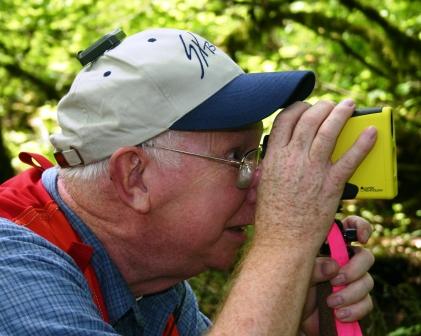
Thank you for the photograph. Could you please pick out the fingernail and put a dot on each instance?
(372, 132)
(365, 235)
(342, 313)
(347, 102)
(334, 301)
(328, 268)
(338, 280)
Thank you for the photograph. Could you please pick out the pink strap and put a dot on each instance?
(339, 253)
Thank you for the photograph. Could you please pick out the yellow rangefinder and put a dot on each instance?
(376, 176)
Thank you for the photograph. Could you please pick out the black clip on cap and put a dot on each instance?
(107, 42)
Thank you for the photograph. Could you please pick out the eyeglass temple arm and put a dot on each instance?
(230, 162)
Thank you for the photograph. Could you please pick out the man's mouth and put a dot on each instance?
(238, 233)
(238, 228)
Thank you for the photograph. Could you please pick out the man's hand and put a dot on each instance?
(353, 302)
(300, 187)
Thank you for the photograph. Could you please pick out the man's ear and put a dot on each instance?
(126, 169)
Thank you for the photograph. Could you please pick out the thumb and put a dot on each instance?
(324, 269)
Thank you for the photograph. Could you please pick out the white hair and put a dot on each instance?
(97, 170)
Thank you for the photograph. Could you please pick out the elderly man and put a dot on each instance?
(159, 175)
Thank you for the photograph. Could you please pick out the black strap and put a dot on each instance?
(327, 325)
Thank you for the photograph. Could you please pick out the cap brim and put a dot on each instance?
(247, 99)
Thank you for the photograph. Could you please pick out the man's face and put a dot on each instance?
(197, 209)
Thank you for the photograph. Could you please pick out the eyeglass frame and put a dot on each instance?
(243, 182)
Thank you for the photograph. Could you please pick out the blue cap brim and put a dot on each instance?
(247, 99)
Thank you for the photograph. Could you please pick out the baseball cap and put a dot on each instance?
(162, 79)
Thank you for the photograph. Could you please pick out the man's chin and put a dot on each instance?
(224, 268)
(225, 264)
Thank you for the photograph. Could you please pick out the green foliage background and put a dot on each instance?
(367, 50)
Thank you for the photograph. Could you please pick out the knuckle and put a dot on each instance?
(327, 103)
(348, 163)
(370, 257)
(366, 255)
(325, 135)
(337, 178)
(346, 166)
(369, 282)
(298, 105)
(362, 221)
(358, 221)
(310, 119)
(290, 114)
(304, 104)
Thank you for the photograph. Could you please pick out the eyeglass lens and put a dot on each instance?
(247, 169)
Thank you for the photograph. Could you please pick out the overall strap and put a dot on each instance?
(171, 327)
(25, 201)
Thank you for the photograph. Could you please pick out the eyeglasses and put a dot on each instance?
(246, 166)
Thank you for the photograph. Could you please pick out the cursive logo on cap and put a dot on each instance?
(200, 52)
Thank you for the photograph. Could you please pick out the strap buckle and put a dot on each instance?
(68, 158)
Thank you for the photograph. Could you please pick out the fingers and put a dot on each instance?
(285, 123)
(353, 293)
(315, 129)
(309, 123)
(325, 140)
(353, 302)
(357, 266)
(362, 226)
(326, 268)
(355, 311)
(347, 164)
